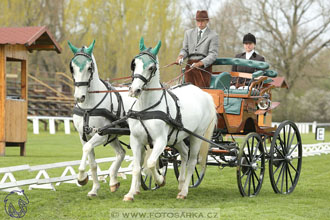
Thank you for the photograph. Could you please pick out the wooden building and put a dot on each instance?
(15, 43)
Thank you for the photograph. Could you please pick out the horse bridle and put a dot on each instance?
(91, 69)
(153, 71)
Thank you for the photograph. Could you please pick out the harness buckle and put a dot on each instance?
(87, 129)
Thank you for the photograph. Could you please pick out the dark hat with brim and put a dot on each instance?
(202, 15)
(249, 38)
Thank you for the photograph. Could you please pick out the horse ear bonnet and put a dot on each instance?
(82, 52)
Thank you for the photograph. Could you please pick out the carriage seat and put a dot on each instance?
(231, 105)
(222, 81)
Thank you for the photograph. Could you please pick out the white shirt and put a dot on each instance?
(249, 54)
(202, 32)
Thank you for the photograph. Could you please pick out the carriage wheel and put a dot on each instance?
(197, 176)
(285, 158)
(146, 177)
(251, 165)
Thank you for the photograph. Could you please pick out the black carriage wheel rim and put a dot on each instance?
(285, 158)
(197, 176)
(146, 181)
(251, 166)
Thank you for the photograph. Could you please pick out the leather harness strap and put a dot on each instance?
(166, 117)
(103, 112)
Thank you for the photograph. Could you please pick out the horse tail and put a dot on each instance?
(203, 152)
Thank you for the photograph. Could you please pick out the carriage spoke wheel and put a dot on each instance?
(251, 165)
(197, 176)
(285, 158)
(147, 182)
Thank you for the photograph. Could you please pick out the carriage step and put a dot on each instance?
(267, 129)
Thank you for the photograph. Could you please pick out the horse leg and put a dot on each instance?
(120, 155)
(195, 144)
(159, 146)
(138, 183)
(87, 148)
(82, 175)
(93, 166)
(183, 151)
(137, 149)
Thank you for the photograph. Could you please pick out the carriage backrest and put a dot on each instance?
(241, 62)
(221, 81)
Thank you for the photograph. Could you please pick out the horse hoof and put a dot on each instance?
(115, 187)
(181, 197)
(128, 199)
(91, 195)
(83, 182)
(163, 183)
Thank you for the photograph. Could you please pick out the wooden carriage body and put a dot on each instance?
(238, 111)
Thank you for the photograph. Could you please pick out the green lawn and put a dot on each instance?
(218, 189)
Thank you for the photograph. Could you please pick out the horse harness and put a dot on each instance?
(91, 69)
(145, 114)
(103, 112)
(153, 71)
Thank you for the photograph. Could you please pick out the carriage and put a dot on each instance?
(244, 111)
(247, 112)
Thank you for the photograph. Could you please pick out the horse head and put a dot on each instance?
(144, 69)
(82, 68)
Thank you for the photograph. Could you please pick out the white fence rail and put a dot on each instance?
(304, 127)
(51, 123)
(44, 181)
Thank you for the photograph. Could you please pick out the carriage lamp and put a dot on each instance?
(264, 102)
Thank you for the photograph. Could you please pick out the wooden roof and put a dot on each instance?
(34, 38)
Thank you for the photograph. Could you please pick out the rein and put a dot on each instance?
(145, 89)
(125, 90)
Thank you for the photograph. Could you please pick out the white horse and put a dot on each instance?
(95, 110)
(147, 126)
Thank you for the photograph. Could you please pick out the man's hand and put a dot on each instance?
(179, 60)
(199, 64)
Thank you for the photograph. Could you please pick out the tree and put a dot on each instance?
(293, 31)
(117, 27)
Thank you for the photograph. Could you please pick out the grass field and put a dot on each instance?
(310, 200)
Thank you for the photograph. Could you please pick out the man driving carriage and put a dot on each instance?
(200, 46)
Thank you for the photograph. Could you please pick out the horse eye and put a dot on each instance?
(151, 68)
(90, 69)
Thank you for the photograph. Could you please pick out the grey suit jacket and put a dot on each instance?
(205, 50)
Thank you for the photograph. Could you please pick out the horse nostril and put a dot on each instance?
(134, 93)
(82, 98)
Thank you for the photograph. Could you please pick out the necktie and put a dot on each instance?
(199, 36)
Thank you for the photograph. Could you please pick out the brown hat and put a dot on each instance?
(202, 15)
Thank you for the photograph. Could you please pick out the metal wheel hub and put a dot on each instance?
(254, 166)
(288, 158)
